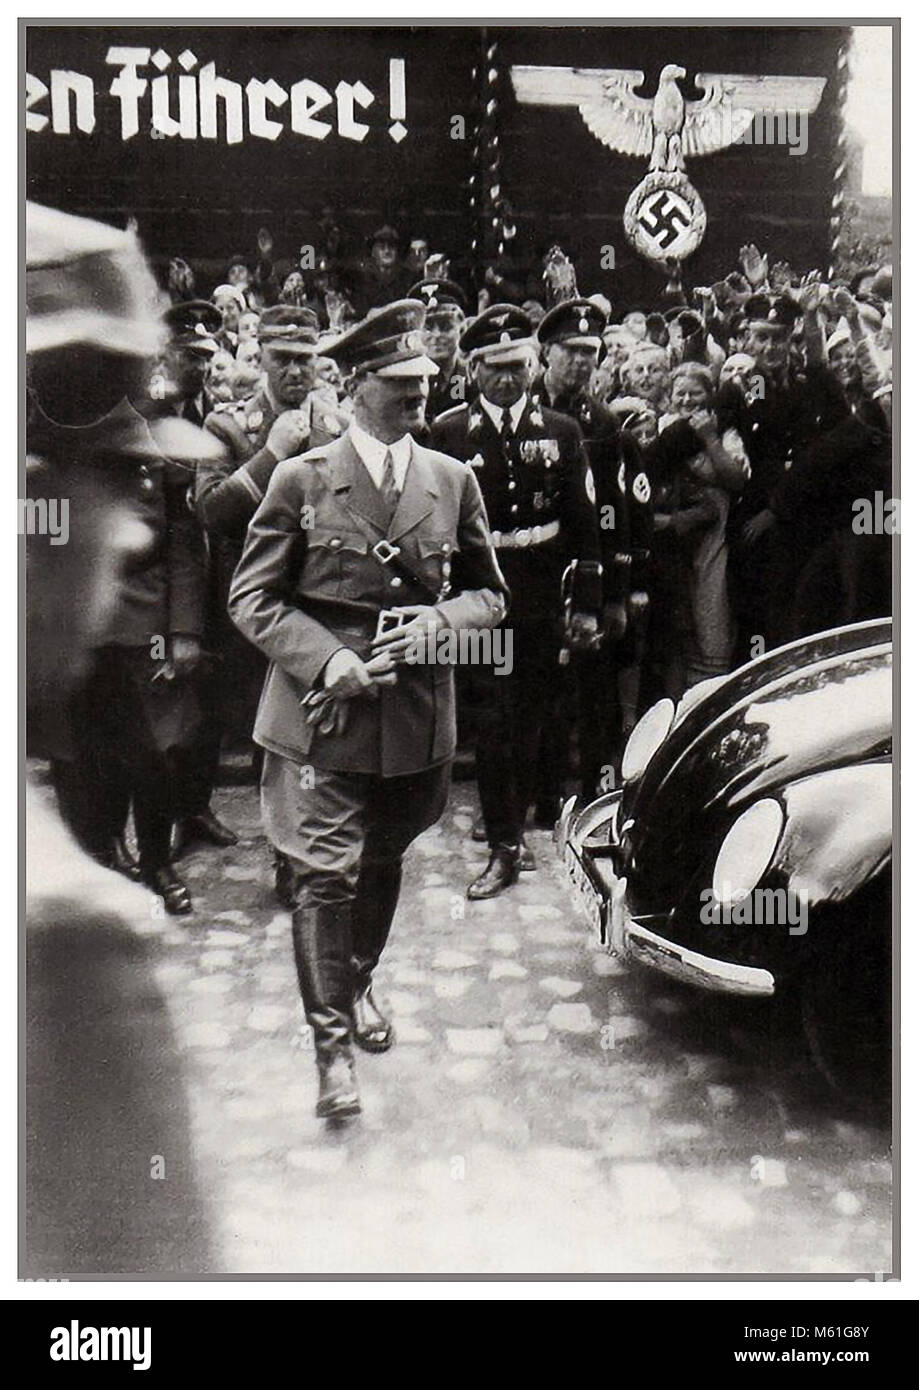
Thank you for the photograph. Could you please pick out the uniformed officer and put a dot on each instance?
(177, 391)
(541, 503)
(370, 522)
(777, 423)
(281, 419)
(445, 316)
(90, 336)
(571, 337)
(137, 713)
(177, 383)
(107, 1081)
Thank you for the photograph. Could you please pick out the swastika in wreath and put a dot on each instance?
(664, 217)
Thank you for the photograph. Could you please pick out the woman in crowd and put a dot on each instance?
(717, 472)
(696, 467)
(231, 301)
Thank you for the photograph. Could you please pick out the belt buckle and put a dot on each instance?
(385, 552)
(524, 536)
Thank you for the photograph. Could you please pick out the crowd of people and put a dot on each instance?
(636, 500)
(728, 437)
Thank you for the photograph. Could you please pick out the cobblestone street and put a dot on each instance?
(543, 1109)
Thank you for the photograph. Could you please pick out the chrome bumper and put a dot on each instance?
(605, 905)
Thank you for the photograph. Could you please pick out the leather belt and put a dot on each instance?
(525, 536)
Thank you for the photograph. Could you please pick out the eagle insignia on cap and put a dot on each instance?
(499, 320)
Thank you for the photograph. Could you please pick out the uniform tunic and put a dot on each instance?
(309, 583)
(540, 497)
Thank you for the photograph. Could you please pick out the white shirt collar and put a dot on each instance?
(495, 412)
(372, 453)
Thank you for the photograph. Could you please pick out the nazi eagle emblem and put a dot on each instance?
(664, 216)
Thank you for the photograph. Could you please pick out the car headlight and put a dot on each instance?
(747, 850)
(645, 739)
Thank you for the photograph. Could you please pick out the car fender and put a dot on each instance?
(838, 831)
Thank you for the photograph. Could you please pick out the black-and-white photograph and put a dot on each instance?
(459, 515)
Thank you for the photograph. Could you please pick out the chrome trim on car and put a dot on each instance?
(606, 911)
(705, 972)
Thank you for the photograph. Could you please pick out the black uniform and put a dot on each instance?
(200, 760)
(625, 520)
(448, 389)
(131, 723)
(777, 430)
(541, 503)
(840, 574)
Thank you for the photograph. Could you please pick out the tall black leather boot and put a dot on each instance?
(322, 951)
(374, 909)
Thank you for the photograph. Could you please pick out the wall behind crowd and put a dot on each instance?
(205, 199)
(202, 197)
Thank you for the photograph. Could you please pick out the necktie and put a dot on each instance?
(507, 433)
(388, 489)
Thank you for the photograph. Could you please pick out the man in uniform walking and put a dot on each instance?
(358, 743)
(541, 503)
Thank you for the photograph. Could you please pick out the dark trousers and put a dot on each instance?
(598, 717)
(333, 825)
(199, 763)
(344, 835)
(128, 734)
(513, 713)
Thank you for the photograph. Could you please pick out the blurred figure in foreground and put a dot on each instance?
(105, 1089)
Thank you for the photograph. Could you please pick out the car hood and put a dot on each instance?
(823, 702)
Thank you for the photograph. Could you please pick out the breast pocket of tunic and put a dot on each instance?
(336, 562)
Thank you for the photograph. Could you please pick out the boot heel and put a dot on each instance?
(337, 1089)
